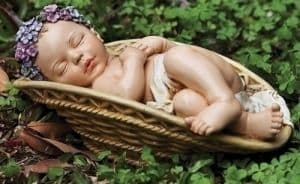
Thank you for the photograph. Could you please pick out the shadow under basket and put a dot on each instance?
(117, 124)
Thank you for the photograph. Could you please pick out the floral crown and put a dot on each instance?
(27, 36)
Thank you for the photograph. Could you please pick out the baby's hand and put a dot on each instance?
(133, 53)
(147, 49)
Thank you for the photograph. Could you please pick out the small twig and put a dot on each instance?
(3, 59)
(8, 109)
(13, 153)
(22, 161)
(5, 153)
(11, 15)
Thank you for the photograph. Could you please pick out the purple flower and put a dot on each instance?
(50, 8)
(31, 51)
(35, 36)
(38, 26)
(22, 53)
(25, 71)
(19, 54)
(51, 13)
(29, 22)
(27, 63)
(38, 77)
(28, 31)
(35, 26)
(53, 17)
(65, 14)
(73, 12)
(20, 32)
(25, 39)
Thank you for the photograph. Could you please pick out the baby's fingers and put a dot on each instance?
(148, 51)
(140, 46)
(136, 45)
(143, 47)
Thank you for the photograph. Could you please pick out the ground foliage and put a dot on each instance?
(261, 34)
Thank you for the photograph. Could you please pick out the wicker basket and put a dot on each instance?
(118, 124)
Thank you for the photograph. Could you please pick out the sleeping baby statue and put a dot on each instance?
(192, 82)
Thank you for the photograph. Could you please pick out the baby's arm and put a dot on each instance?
(132, 82)
(153, 45)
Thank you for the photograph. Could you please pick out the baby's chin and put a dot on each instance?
(95, 73)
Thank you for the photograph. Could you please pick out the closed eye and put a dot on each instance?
(77, 40)
(82, 39)
(62, 68)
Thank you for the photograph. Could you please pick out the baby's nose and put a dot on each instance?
(75, 58)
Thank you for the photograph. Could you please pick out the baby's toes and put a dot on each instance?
(196, 125)
(275, 107)
(203, 128)
(276, 126)
(277, 120)
(274, 131)
(209, 130)
(277, 114)
(189, 120)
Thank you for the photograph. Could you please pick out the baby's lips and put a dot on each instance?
(89, 64)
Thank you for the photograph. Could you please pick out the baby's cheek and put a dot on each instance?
(90, 46)
(69, 78)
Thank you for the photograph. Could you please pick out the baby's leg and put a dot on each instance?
(188, 103)
(262, 125)
(199, 73)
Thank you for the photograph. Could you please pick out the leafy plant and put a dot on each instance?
(283, 170)
(11, 105)
(10, 169)
(154, 172)
(55, 173)
(13, 99)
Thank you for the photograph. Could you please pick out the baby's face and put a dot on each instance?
(70, 53)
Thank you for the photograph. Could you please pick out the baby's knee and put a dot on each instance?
(188, 103)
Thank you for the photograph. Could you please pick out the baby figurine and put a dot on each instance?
(59, 45)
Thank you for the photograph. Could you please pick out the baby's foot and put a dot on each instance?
(266, 124)
(199, 126)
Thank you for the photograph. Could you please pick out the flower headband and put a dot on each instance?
(27, 36)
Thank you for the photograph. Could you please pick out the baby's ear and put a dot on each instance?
(97, 35)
